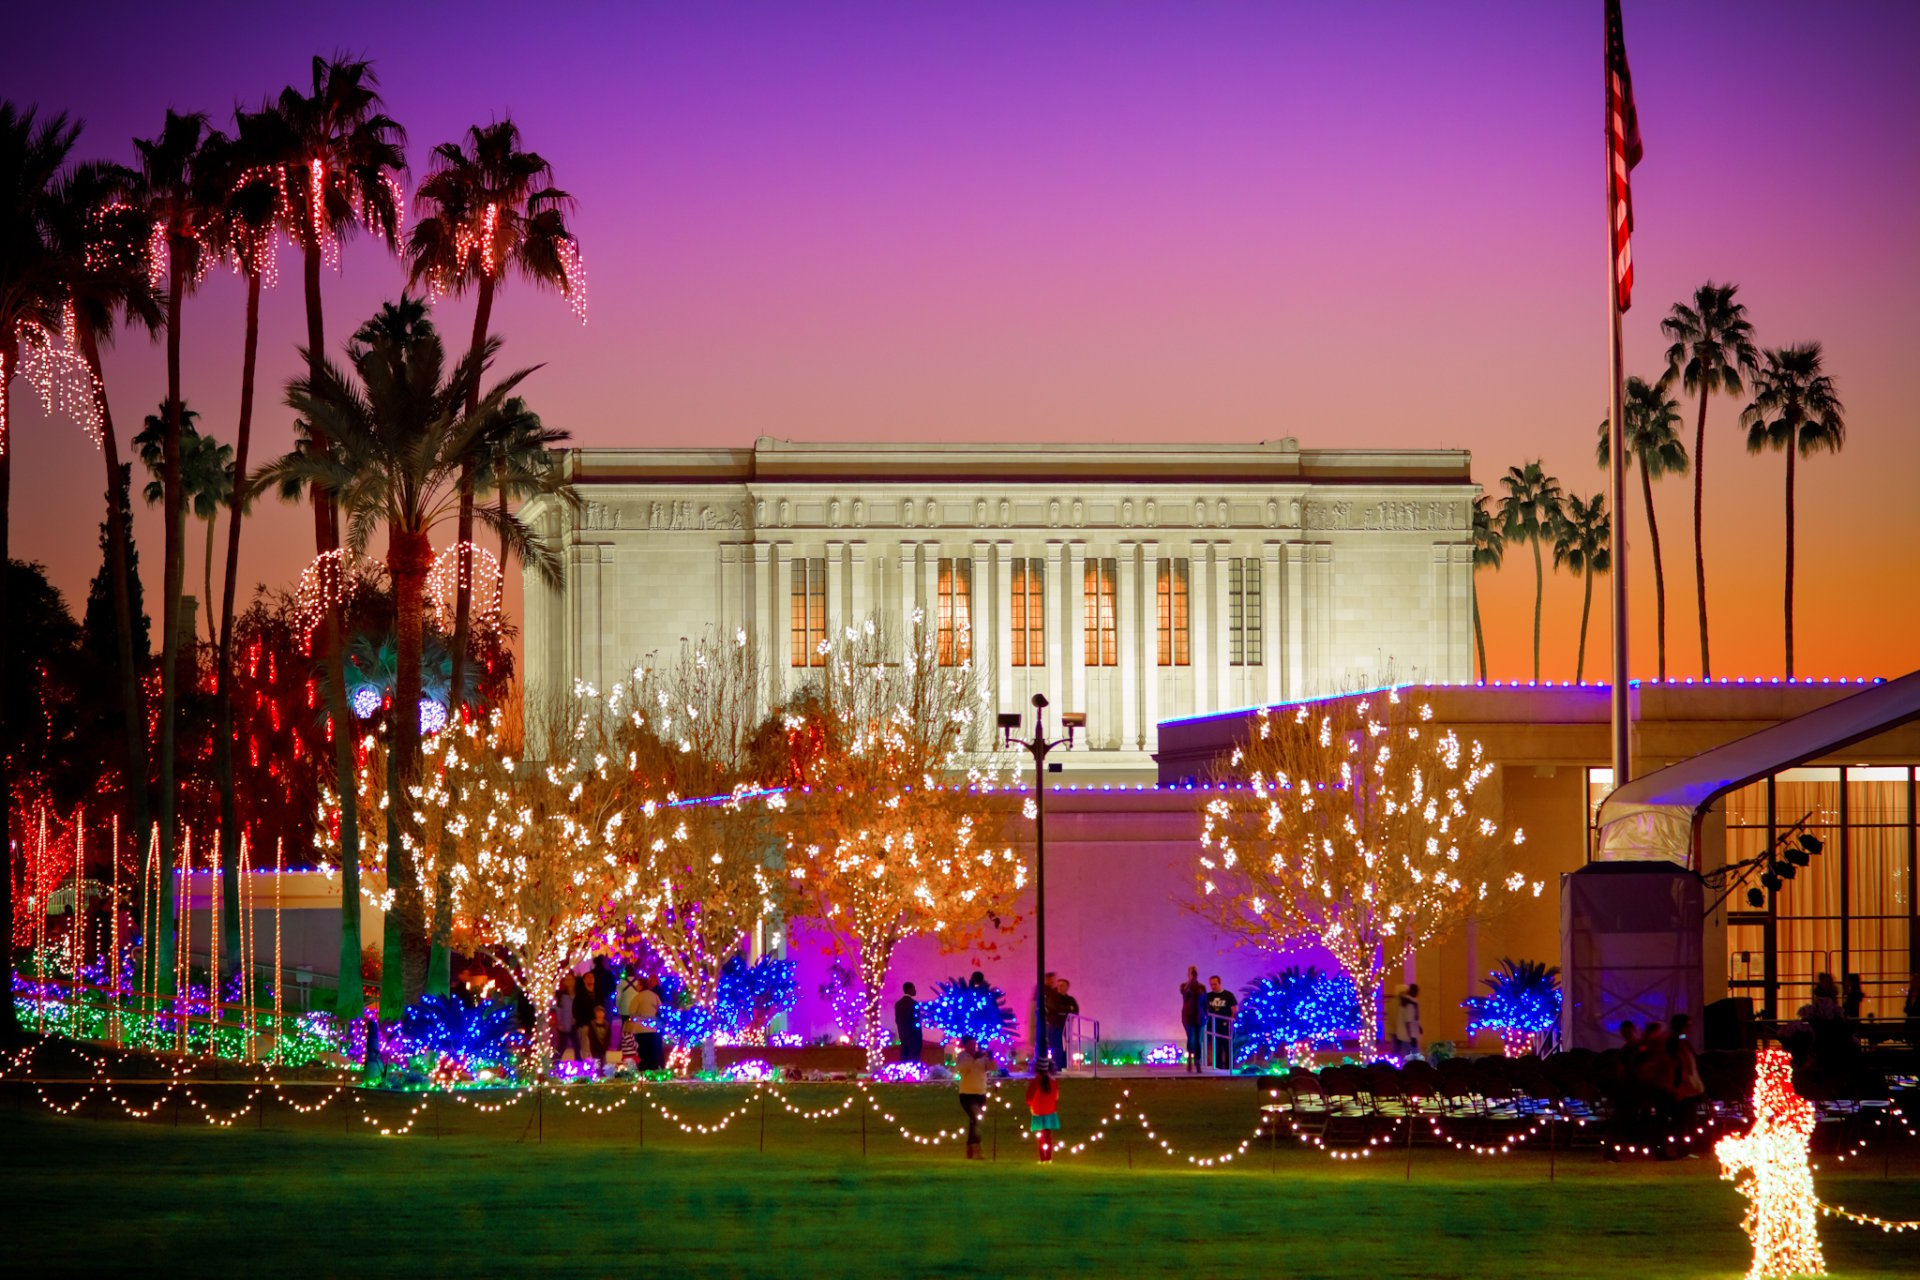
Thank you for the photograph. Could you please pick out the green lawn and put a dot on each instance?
(565, 1190)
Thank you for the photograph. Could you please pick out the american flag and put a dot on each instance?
(1623, 153)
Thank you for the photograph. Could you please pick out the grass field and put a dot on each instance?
(560, 1189)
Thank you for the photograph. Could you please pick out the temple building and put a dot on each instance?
(1134, 583)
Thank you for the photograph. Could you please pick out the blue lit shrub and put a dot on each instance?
(1292, 1009)
(1522, 1004)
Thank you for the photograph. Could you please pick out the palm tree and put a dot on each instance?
(1712, 348)
(32, 153)
(1795, 408)
(1530, 513)
(488, 208)
(401, 438)
(335, 152)
(100, 245)
(243, 230)
(1580, 541)
(206, 476)
(1489, 547)
(173, 189)
(1653, 442)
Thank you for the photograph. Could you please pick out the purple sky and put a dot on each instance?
(1360, 225)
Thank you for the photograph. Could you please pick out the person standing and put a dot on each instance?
(565, 1044)
(1192, 1011)
(970, 1068)
(586, 998)
(906, 1021)
(1064, 1007)
(644, 1007)
(1403, 1021)
(1686, 1088)
(1043, 1108)
(1220, 1006)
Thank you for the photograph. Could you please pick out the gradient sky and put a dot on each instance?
(1363, 225)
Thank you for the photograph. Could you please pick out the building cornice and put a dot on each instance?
(772, 461)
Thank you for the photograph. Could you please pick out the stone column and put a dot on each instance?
(1128, 623)
(782, 665)
(1270, 618)
(1459, 650)
(836, 590)
(980, 620)
(1003, 625)
(930, 589)
(760, 617)
(909, 590)
(1150, 646)
(1226, 694)
(1323, 615)
(1298, 562)
(1078, 619)
(1200, 643)
(862, 579)
(1056, 606)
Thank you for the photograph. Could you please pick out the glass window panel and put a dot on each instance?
(1182, 622)
(1810, 793)
(1877, 795)
(1017, 613)
(963, 609)
(1878, 874)
(1236, 637)
(1747, 807)
(1036, 612)
(1251, 613)
(1163, 611)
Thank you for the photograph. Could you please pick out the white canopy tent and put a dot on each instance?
(1656, 818)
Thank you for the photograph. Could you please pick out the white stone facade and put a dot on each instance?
(1301, 571)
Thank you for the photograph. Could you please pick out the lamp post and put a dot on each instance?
(1038, 746)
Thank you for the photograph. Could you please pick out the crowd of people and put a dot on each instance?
(1657, 1087)
(598, 1016)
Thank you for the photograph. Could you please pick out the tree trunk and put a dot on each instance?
(223, 662)
(9, 360)
(1539, 595)
(1699, 549)
(173, 572)
(1586, 611)
(1792, 454)
(351, 998)
(1479, 636)
(409, 558)
(1659, 574)
(393, 960)
(439, 966)
(133, 704)
(876, 959)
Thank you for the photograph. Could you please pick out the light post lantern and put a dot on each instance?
(1038, 746)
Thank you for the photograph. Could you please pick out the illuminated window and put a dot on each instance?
(808, 623)
(956, 612)
(1243, 612)
(1100, 632)
(1029, 613)
(1176, 632)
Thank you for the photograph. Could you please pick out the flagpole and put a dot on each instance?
(1622, 727)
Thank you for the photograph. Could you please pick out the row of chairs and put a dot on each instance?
(1489, 1100)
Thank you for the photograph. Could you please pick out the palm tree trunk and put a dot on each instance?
(1539, 594)
(174, 571)
(1699, 549)
(223, 670)
(132, 703)
(1586, 611)
(439, 966)
(1659, 575)
(206, 601)
(9, 360)
(1479, 636)
(409, 558)
(350, 999)
(1791, 454)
